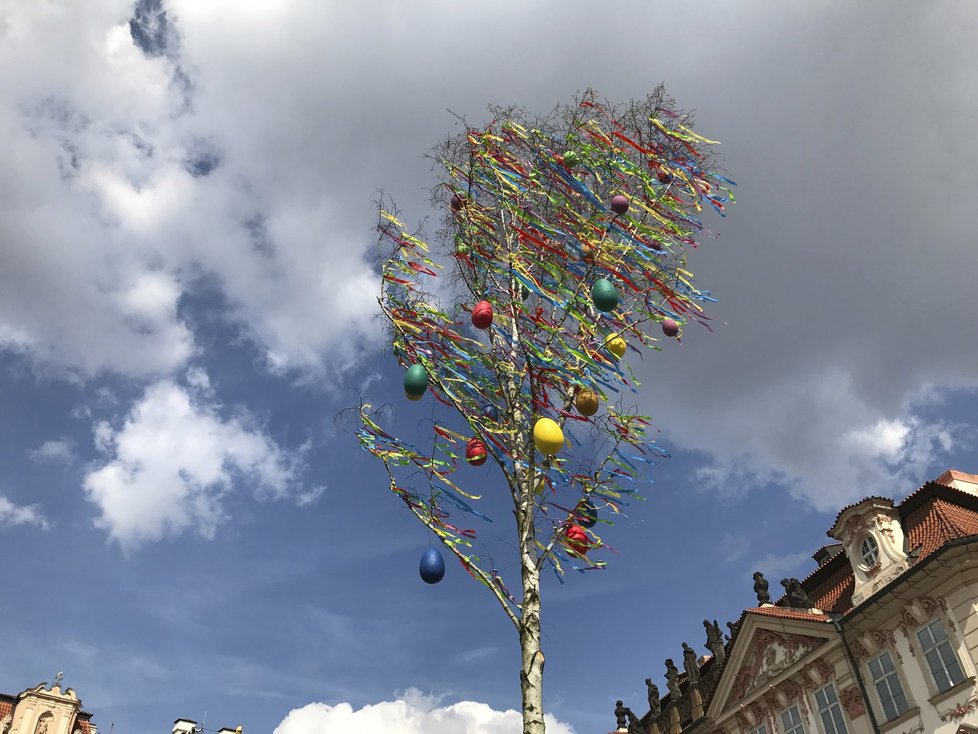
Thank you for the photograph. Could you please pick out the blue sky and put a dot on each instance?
(187, 301)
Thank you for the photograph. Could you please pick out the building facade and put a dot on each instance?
(882, 637)
(43, 710)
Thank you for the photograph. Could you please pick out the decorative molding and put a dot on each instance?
(771, 654)
(852, 701)
(960, 710)
(918, 611)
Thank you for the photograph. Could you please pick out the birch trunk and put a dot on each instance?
(531, 657)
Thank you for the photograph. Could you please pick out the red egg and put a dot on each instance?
(670, 327)
(475, 452)
(482, 315)
(663, 177)
(619, 204)
(456, 202)
(576, 540)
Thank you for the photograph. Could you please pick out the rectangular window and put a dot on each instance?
(791, 721)
(830, 711)
(888, 686)
(944, 665)
(762, 729)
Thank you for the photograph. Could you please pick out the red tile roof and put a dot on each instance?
(932, 525)
(786, 613)
(6, 707)
(932, 516)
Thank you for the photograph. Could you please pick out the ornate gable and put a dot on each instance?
(770, 653)
(765, 648)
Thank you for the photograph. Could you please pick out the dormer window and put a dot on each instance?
(869, 551)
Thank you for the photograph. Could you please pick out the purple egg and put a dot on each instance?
(619, 204)
(670, 327)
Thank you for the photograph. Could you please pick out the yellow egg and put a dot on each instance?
(548, 437)
(616, 345)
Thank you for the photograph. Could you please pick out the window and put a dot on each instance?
(830, 711)
(944, 665)
(869, 551)
(762, 729)
(888, 686)
(791, 721)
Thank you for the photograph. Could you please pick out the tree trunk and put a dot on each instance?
(531, 657)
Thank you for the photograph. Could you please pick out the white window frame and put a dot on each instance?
(925, 662)
(862, 553)
(894, 674)
(798, 728)
(837, 704)
(759, 729)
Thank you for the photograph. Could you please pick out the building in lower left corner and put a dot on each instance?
(43, 710)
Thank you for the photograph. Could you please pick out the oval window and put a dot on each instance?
(869, 551)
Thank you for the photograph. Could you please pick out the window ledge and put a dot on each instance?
(901, 719)
(964, 685)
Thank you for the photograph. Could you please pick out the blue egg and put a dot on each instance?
(491, 412)
(587, 513)
(432, 566)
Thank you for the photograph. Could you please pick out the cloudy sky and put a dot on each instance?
(187, 300)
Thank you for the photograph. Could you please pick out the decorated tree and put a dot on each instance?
(564, 243)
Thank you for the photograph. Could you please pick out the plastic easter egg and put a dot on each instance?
(432, 567)
(482, 315)
(604, 294)
(548, 437)
(491, 412)
(616, 345)
(415, 381)
(571, 158)
(619, 204)
(663, 177)
(475, 452)
(670, 327)
(586, 513)
(586, 402)
(576, 540)
(456, 202)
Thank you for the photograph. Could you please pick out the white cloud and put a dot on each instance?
(412, 713)
(62, 450)
(12, 515)
(109, 231)
(171, 465)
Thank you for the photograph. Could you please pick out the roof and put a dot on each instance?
(932, 516)
(786, 613)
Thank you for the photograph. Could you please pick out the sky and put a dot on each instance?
(187, 300)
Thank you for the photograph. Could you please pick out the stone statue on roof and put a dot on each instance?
(655, 706)
(760, 588)
(797, 598)
(714, 640)
(733, 627)
(672, 680)
(620, 715)
(690, 665)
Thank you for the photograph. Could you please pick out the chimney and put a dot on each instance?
(826, 553)
(959, 480)
(184, 726)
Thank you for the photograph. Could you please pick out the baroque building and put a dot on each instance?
(882, 637)
(43, 710)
